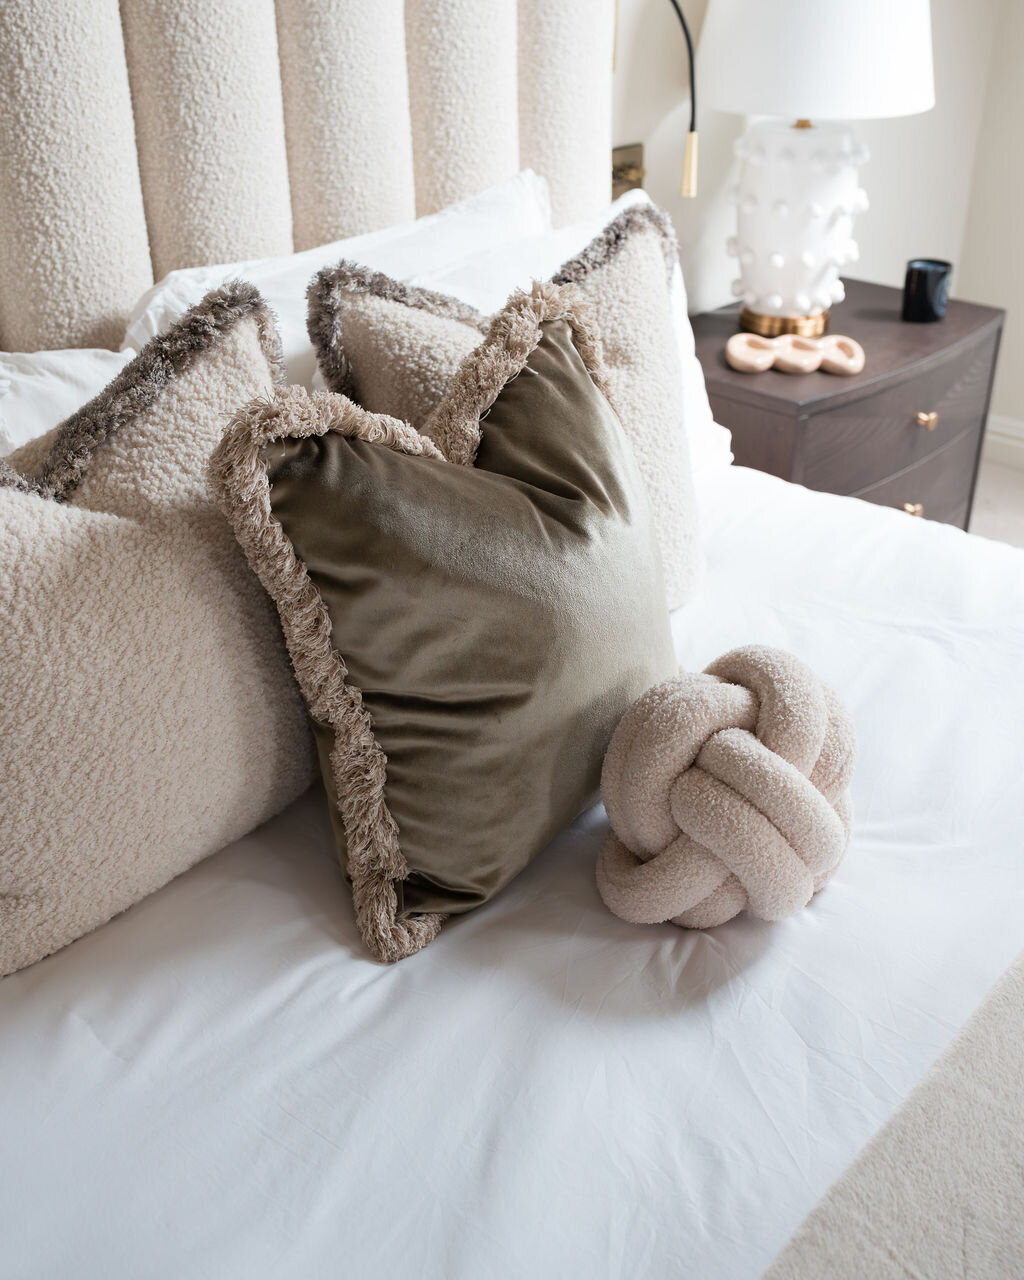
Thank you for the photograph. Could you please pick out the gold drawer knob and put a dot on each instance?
(928, 420)
(914, 508)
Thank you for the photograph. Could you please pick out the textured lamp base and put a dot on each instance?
(796, 195)
(772, 326)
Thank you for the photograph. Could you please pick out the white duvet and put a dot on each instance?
(220, 1084)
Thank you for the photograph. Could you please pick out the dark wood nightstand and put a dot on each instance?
(906, 432)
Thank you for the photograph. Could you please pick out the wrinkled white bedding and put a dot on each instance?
(219, 1083)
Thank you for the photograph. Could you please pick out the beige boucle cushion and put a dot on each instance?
(726, 792)
(149, 713)
(395, 349)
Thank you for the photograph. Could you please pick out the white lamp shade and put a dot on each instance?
(817, 59)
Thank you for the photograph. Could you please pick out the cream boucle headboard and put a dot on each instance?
(139, 137)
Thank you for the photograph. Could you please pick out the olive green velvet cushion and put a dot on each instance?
(394, 348)
(469, 615)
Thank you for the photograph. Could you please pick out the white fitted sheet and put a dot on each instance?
(220, 1084)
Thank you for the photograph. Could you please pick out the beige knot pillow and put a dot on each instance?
(726, 791)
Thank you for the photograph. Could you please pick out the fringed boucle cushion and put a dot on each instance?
(149, 714)
(726, 791)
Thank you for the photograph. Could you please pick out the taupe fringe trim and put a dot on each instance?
(239, 478)
(140, 382)
(640, 220)
(11, 479)
(454, 424)
(325, 294)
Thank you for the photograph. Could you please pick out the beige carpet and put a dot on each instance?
(939, 1192)
(999, 503)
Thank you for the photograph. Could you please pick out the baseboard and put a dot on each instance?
(1004, 441)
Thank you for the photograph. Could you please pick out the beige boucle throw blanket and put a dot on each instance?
(940, 1190)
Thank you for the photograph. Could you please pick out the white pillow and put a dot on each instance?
(485, 278)
(521, 206)
(38, 389)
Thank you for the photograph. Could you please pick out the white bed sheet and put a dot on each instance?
(220, 1084)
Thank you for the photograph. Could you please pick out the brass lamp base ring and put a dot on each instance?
(772, 326)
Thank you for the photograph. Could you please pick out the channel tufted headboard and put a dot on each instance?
(139, 137)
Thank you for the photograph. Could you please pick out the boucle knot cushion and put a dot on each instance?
(726, 791)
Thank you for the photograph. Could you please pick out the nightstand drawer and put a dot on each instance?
(940, 485)
(855, 446)
(860, 435)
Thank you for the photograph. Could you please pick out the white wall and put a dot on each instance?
(992, 267)
(918, 179)
(651, 105)
(919, 175)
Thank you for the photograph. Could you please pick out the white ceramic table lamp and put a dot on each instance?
(811, 63)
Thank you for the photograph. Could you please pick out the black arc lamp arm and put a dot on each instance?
(689, 55)
(689, 184)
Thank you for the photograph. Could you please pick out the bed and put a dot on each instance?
(220, 1083)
